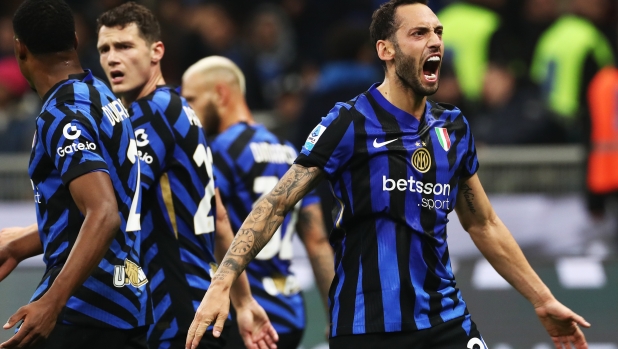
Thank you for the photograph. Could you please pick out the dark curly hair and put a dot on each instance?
(129, 13)
(45, 26)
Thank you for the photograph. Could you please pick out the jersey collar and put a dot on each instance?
(403, 117)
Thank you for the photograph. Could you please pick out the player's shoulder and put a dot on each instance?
(233, 134)
(448, 115)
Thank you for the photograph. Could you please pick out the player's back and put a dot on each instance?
(178, 209)
(82, 128)
(249, 161)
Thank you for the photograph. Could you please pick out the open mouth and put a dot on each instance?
(116, 76)
(431, 67)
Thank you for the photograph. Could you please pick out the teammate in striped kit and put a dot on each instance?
(249, 160)
(185, 228)
(398, 164)
(85, 176)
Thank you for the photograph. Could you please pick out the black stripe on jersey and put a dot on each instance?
(241, 142)
(88, 296)
(258, 292)
(428, 222)
(81, 169)
(453, 296)
(223, 167)
(399, 169)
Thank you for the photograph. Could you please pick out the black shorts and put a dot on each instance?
(449, 335)
(79, 337)
(207, 342)
(286, 340)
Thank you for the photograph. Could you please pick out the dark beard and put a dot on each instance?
(212, 119)
(406, 70)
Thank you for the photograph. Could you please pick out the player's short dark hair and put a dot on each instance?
(383, 22)
(128, 13)
(45, 26)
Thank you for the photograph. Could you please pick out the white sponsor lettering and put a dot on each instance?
(415, 186)
(473, 342)
(75, 147)
(272, 153)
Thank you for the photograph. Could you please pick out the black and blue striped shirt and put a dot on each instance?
(84, 128)
(395, 179)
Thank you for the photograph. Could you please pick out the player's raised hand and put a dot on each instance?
(39, 321)
(255, 328)
(214, 309)
(562, 325)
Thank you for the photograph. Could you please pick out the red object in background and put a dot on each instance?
(603, 158)
(11, 78)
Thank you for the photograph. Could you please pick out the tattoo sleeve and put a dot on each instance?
(267, 215)
(468, 196)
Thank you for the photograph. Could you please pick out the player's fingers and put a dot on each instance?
(269, 338)
(14, 341)
(262, 344)
(579, 340)
(19, 314)
(580, 320)
(273, 333)
(218, 326)
(557, 342)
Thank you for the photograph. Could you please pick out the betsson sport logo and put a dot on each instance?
(421, 161)
(71, 132)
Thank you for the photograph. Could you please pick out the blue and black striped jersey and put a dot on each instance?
(178, 209)
(395, 180)
(84, 128)
(249, 161)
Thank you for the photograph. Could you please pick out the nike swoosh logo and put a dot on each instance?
(378, 145)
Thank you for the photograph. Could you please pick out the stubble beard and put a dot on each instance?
(406, 69)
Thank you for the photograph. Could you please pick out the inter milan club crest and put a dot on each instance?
(443, 137)
(421, 160)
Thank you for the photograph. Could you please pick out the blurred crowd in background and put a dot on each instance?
(518, 69)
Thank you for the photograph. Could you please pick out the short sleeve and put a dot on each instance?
(331, 143)
(470, 163)
(71, 139)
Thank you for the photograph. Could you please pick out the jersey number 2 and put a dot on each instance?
(203, 222)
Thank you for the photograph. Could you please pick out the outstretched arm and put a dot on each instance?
(311, 230)
(498, 246)
(251, 317)
(266, 216)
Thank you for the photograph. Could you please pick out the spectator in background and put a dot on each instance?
(350, 68)
(17, 108)
(213, 32)
(6, 37)
(602, 160)
(566, 58)
(470, 25)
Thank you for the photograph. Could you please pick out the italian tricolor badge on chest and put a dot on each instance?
(445, 140)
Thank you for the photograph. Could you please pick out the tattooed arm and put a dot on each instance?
(311, 230)
(260, 225)
(496, 243)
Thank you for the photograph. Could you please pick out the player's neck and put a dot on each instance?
(155, 79)
(50, 69)
(402, 97)
(239, 112)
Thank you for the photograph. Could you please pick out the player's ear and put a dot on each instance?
(386, 50)
(157, 52)
(75, 42)
(21, 51)
(222, 94)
